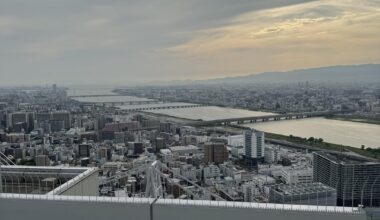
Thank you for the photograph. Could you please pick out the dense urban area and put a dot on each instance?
(362, 100)
(142, 154)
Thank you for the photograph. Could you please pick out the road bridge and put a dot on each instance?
(158, 107)
(89, 96)
(265, 118)
(113, 100)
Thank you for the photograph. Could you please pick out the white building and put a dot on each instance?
(237, 151)
(254, 144)
(184, 150)
(297, 175)
(188, 171)
(235, 140)
(250, 191)
(272, 154)
(211, 171)
(166, 155)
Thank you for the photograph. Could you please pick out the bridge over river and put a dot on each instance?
(265, 118)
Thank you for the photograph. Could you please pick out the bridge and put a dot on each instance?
(89, 96)
(114, 100)
(265, 118)
(158, 107)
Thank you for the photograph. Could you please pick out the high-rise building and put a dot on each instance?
(62, 116)
(84, 150)
(254, 144)
(22, 120)
(215, 153)
(356, 180)
(138, 148)
(119, 137)
(43, 117)
(3, 106)
(160, 144)
(57, 125)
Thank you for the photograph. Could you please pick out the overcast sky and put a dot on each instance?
(126, 41)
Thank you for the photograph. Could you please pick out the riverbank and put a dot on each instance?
(358, 119)
(320, 144)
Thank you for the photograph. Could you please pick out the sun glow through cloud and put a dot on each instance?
(304, 35)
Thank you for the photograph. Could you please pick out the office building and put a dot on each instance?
(19, 121)
(160, 144)
(62, 116)
(138, 148)
(43, 117)
(84, 150)
(254, 144)
(356, 180)
(57, 125)
(272, 154)
(297, 175)
(215, 153)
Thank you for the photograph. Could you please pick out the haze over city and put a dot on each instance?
(116, 42)
(190, 109)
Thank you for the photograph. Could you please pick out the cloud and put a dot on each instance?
(287, 23)
(299, 36)
(90, 41)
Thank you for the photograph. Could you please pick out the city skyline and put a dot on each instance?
(45, 42)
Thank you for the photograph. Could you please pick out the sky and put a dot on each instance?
(133, 41)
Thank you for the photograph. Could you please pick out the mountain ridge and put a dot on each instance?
(361, 73)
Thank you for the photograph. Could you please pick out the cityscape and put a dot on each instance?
(279, 139)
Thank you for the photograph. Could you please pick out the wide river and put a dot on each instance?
(348, 133)
(208, 113)
(353, 134)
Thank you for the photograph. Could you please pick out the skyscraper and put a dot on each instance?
(254, 144)
(22, 120)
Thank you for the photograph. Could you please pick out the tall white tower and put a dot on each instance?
(254, 144)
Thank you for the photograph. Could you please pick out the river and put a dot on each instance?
(348, 133)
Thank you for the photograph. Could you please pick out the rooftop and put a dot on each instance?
(345, 159)
(40, 180)
(301, 189)
(181, 148)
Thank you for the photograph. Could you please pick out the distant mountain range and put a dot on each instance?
(366, 73)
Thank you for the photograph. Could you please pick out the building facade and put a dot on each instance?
(357, 181)
(254, 144)
(215, 153)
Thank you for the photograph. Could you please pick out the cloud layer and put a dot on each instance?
(95, 42)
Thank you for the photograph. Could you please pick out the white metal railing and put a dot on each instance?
(134, 200)
(179, 202)
(227, 204)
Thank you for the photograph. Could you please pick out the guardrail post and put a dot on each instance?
(1, 181)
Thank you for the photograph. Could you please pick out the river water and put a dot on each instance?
(348, 133)
(353, 134)
(208, 113)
